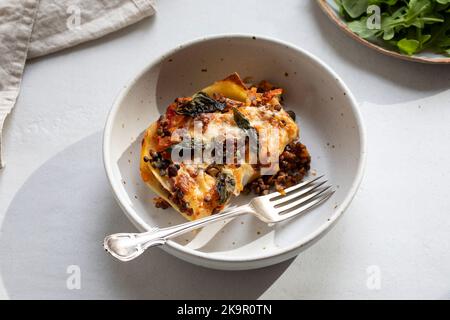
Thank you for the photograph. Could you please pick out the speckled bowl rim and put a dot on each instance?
(213, 260)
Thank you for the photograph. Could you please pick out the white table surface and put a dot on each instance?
(56, 206)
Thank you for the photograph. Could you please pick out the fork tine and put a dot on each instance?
(314, 203)
(283, 207)
(297, 194)
(300, 185)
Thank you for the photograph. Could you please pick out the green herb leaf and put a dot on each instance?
(245, 125)
(410, 25)
(408, 46)
(225, 185)
(360, 28)
(200, 103)
(240, 120)
(355, 8)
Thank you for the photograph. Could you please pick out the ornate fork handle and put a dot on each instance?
(127, 246)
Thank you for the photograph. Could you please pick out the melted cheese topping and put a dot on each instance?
(198, 189)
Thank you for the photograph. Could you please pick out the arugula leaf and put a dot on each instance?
(411, 26)
(408, 46)
(355, 8)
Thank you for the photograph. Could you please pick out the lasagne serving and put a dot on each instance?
(225, 139)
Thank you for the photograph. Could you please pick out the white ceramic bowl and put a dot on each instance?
(330, 126)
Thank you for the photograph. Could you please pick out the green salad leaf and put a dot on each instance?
(410, 26)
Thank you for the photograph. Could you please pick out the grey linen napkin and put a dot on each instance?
(32, 28)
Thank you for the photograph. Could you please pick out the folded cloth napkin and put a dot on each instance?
(32, 28)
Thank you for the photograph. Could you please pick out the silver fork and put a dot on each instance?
(271, 209)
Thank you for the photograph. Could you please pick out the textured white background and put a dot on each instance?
(399, 220)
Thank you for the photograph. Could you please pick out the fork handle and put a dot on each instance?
(127, 246)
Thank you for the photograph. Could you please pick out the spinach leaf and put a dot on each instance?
(200, 103)
(245, 125)
(225, 185)
(240, 120)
